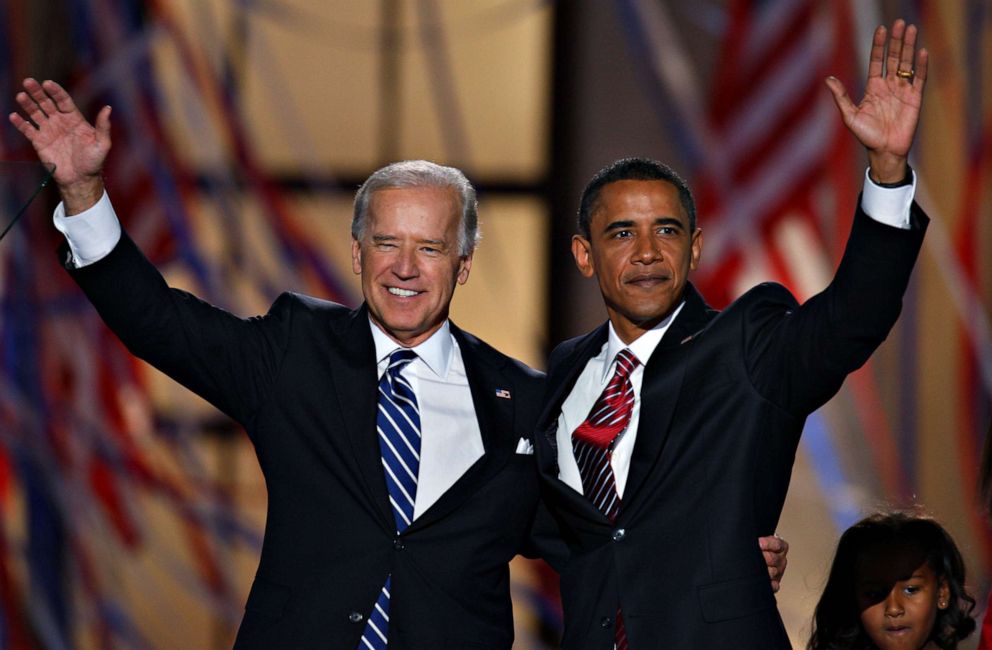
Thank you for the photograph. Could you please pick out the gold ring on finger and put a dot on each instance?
(905, 74)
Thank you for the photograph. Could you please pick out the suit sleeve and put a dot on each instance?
(798, 356)
(544, 540)
(229, 361)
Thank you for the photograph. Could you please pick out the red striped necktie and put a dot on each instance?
(592, 443)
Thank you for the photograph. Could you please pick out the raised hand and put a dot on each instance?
(885, 121)
(62, 137)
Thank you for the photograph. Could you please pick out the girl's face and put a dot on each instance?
(898, 596)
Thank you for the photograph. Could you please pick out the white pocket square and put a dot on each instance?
(525, 446)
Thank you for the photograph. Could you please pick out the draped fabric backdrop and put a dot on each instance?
(131, 512)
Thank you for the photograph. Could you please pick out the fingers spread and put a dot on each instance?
(895, 47)
(41, 98)
(908, 49)
(30, 83)
(61, 98)
(922, 61)
(877, 57)
(103, 123)
(22, 125)
(30, 107)
(842, 99)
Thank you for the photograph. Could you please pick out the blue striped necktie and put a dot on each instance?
(398, 424)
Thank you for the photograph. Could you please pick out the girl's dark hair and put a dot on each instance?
(837, 621)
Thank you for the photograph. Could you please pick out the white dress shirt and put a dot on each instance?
(890, 206)
(589, 386)
(450, 440)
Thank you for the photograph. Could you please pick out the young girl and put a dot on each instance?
(897, 581)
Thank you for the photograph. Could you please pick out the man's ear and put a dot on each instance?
(696, 248)
(582, 252)
(356, 256)
(464, 266)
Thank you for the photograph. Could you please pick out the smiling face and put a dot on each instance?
(409, 260)
(898, 595)
(640, 249)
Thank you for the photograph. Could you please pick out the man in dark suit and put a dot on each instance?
(391, 515)
(670, 431)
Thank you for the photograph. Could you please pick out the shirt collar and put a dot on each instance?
(642, 347)
(435, 352)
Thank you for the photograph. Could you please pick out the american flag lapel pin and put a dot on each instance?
(502, 392)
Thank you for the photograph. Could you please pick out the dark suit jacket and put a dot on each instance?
(723, 402)
(302, 381)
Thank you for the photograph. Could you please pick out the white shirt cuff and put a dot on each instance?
(91, 234)
(888, 205)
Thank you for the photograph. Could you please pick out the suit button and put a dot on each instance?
(398, 544)
(606, 622)
(356, 617)
(619, 534)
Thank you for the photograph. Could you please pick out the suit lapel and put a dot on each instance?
(561, 384)
(660, 388)
(356, 386)
(495, 416)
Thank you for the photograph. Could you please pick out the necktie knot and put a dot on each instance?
(399, 357)
(611, 411)
(626, 363)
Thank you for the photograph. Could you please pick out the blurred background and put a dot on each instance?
(131, 513)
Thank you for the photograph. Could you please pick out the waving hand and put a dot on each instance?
(886, 118)
(61, 136)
